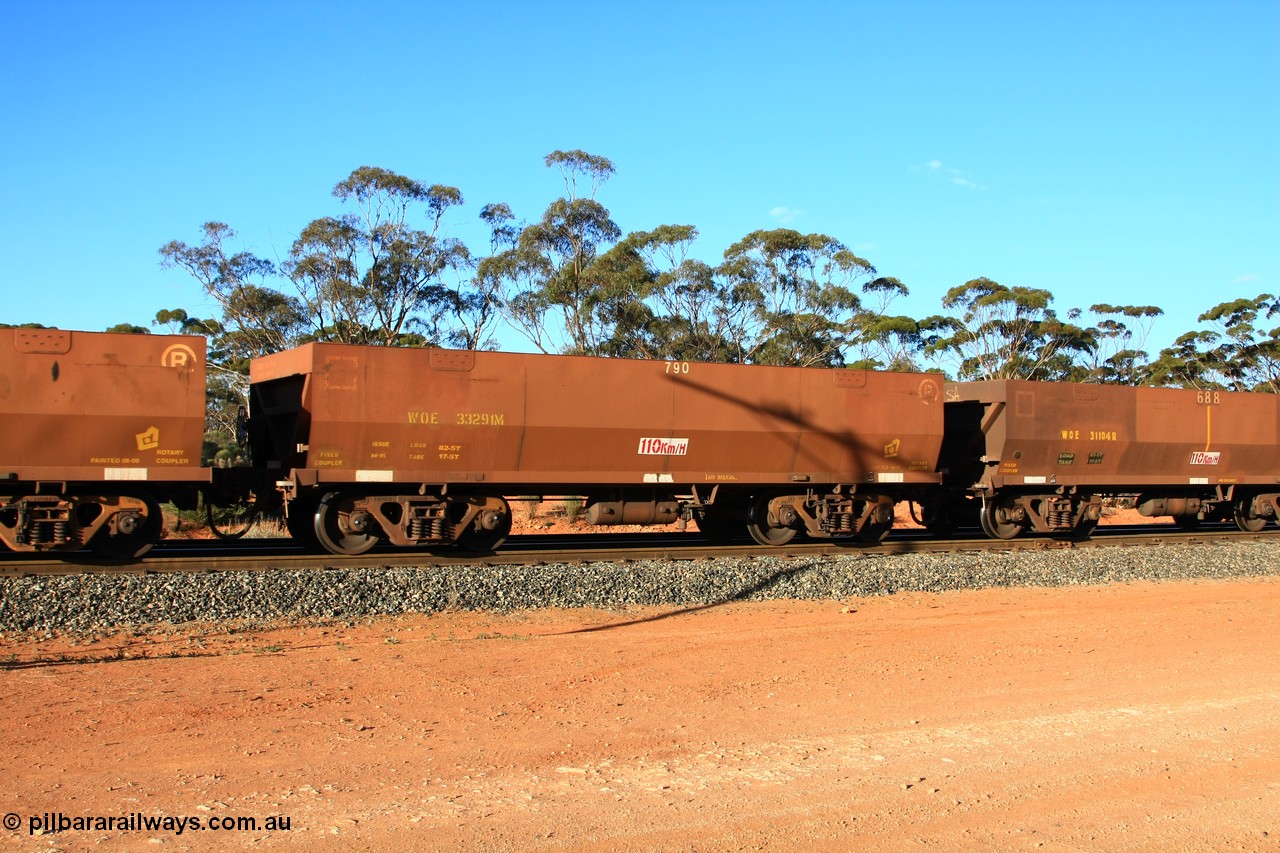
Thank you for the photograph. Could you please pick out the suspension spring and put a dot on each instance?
(1059, 516)
(428, 528)
(48, 533)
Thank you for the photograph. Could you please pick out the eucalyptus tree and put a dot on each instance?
(623, 282)
(677, 306)
(789, 297)
(881, 340)
(377, 275)
(1121, 335)
(998, 332)
(476, 301)
(1248, 352)
(697, 315)
(256, 318)
(552, 280)
(1239, 352)
(1185, 363)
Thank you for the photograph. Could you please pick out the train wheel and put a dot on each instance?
(872, 533)
(1245, 521)
(988, 517)
(232, 521)
(1085, 528)
(484, 539)
(763, 532)
(135, 533)
(343, 529)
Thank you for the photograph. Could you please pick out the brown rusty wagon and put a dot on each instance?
(1042, 455)
(424, 446)
(96, 430)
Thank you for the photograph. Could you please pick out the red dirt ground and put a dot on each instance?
(1125, 717)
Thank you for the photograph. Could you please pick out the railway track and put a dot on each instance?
(198, 556)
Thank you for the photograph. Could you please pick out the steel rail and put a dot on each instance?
(198, 556)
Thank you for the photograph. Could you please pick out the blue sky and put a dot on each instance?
(1107, 152)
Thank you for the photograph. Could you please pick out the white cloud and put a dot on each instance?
(953, 175)
(1247, 278)
(965, 182)
(785, 215)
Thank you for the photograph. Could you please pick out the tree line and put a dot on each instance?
(384, 270)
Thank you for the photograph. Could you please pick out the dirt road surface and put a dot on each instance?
(1123, 717)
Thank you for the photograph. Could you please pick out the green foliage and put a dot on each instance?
(1183, 364)
(256, 319)
(884, 341)
(476, 304)
(572, 508)
(1119, 357)
(1239, 352)
(550, 272)
(679, 309)
(373, 276)
(999, 332)
(220, 450)
(796, 293)
(577, 165)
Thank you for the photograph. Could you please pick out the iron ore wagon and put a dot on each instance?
(423, 446)
(1042, 455)
(96, 430)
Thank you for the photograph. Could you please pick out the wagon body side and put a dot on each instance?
(660, 440)
(1052, 450)
(98, 428)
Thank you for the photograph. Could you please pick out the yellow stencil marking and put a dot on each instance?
(148, 440)
(1208, 427)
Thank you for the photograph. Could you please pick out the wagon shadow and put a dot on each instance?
(740, 595)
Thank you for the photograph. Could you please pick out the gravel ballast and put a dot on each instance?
(94, 602)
